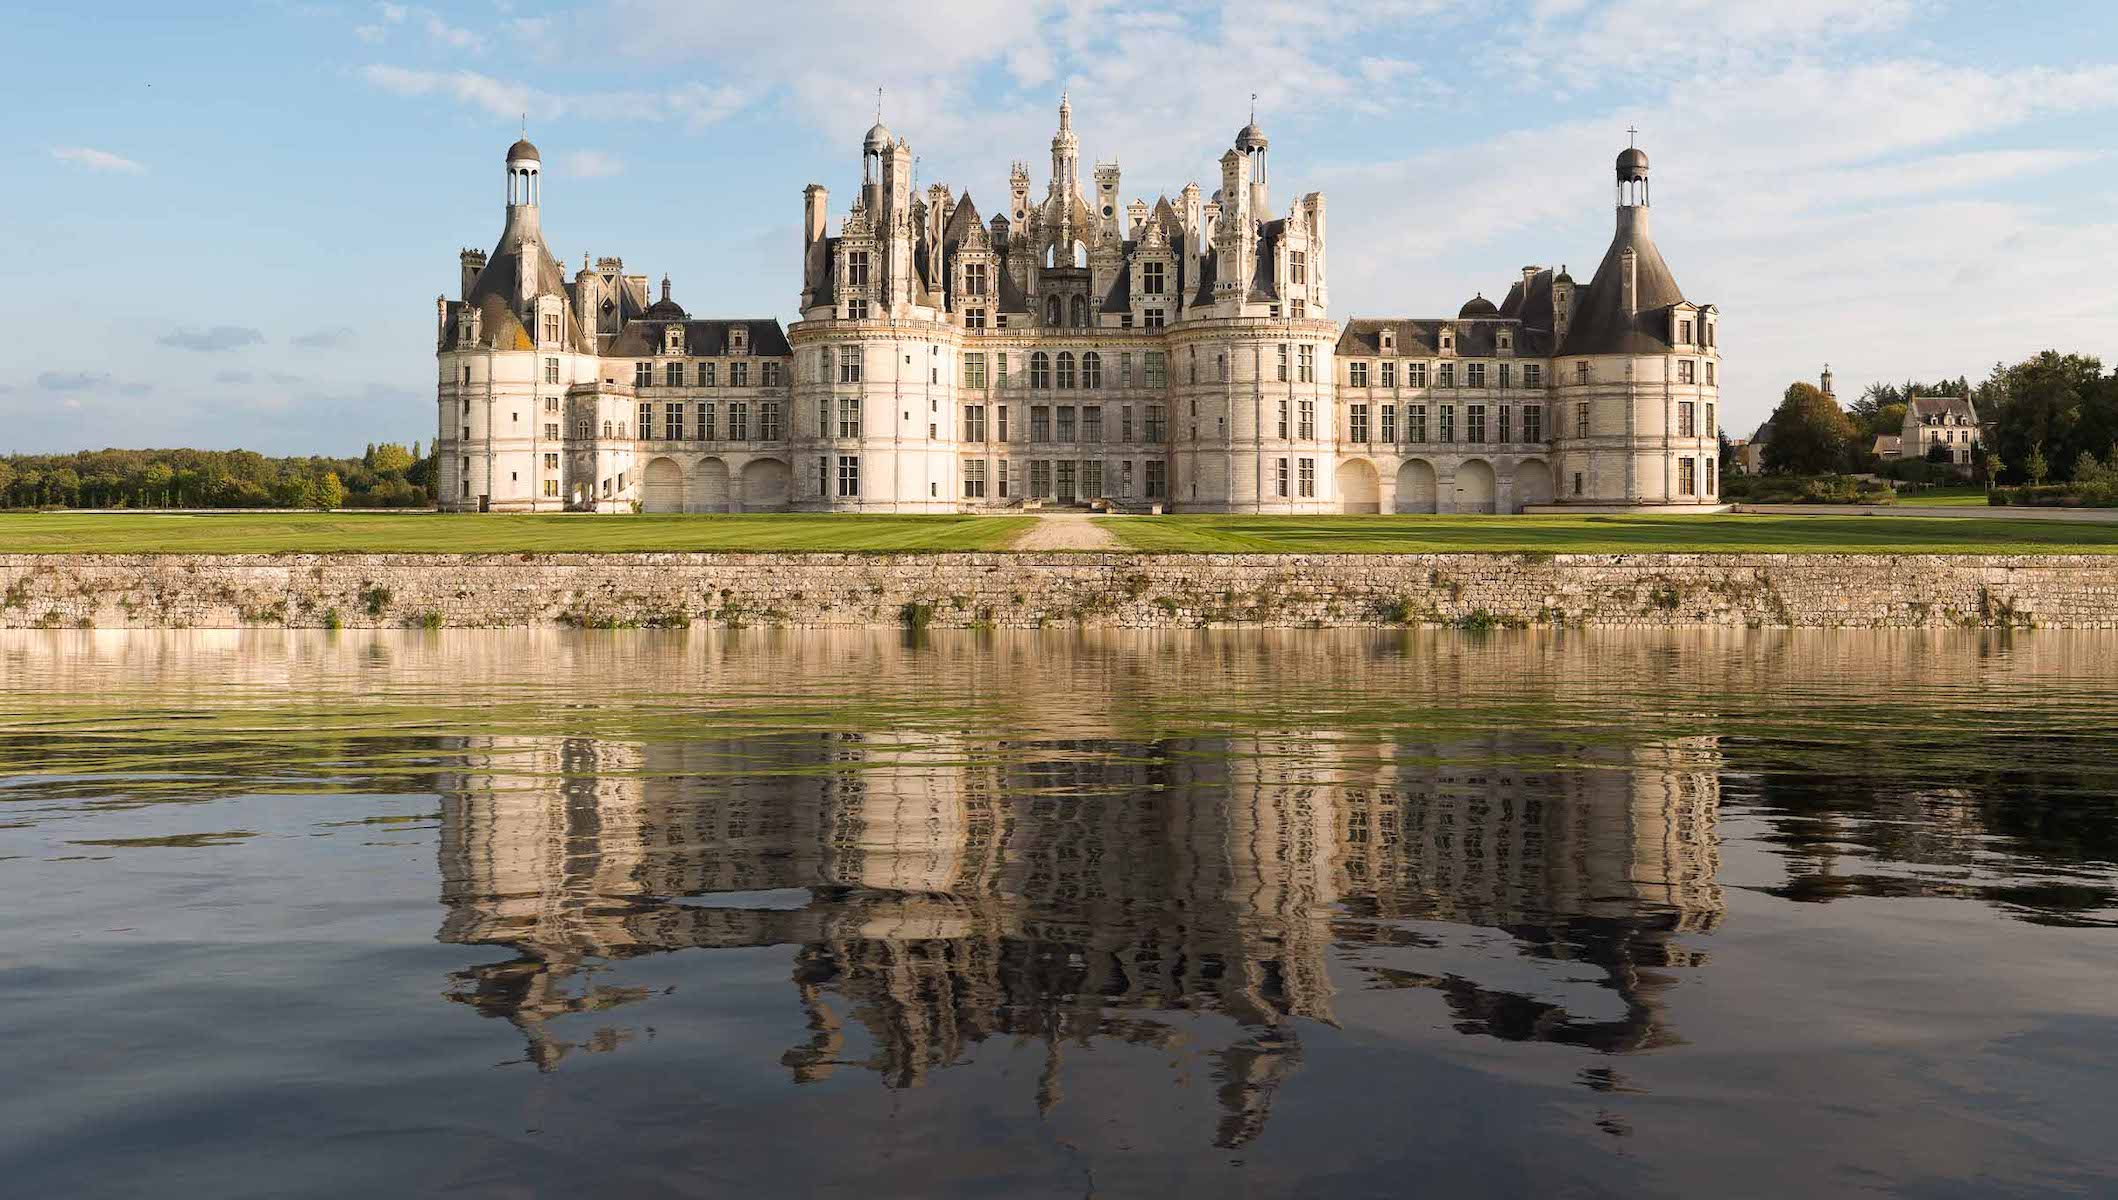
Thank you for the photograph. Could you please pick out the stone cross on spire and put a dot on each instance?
(1630, 135)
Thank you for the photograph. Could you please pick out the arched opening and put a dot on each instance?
(1080, 255)
(709, 486)
(1415, 487)
(1051, 310)
(766, 484)
(1359, 489)
(1080, 320)
(1533, 483)
(1474, 487)
(1066, 369)
(662, 488)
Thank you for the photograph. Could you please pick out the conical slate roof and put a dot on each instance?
(1601, 324)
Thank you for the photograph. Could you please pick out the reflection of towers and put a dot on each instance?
(949, 892)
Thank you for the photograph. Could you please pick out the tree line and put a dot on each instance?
(2048, 419)
(387, 475)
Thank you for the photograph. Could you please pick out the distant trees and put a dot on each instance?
(1811, 435)
(386, 476)
(2052, 409)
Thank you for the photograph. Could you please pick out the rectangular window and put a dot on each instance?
(1389, 423)
(1502, 436)
(1000, 479)
(1040, 370)
(1040, 423)
(1297, 308)
(551, 370)
(738, 374)
(1389, 375)
(1709, 374)
(1532, 375)
(1279, 477)
(1157, 480)
(1415, 422)
(974, 479)
(856, 270)
(768, 420)
(647, 419)
(974, 280)
(738, 422)
(1157, 369)
(1305, 477)
(1220, 367)
(1305, 424)
(551, 327)
(823, 475)
(1151, 278)
(1447, 432)
(1282, 374)
(1153, 318)
(1282, 435)
(1687, 371)
(1157, 423)
(673, 374)
(1687, 477)
(1001, 423)
(1125, 423)
(1125, 480)
(974, 422)
(1297, 268)
(707, 427)
(1091, 478)
(1581, 371)
(1683, 332)
(1474, 422)
(1357, 423)
(1474, 375)
(1710, 465)
(974, 370)
(1532, 423)
(1066, 422)
(706, 374)
(643, 375)
(849, 475)
(849, 417)
(1063, 490)
(673, 422)
(1092, 424)
(1581, 419)
(1445, 375)
(1000, 370)
(1416, 374)
(1503, 380)
(1687, 422)
(551, 431)
(771, 374)
(1125, 369)
(1040, 477)
(1305, 360)
(1712, 430)
(974, 318)
(849, 364)
(1357, 374)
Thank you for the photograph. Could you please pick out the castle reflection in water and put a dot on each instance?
(939, 889)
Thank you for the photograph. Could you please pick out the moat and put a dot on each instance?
(1061, 913)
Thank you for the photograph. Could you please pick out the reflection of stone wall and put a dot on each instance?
(1022, 590)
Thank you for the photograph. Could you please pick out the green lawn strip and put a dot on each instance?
(1612, 534)
(493, 533)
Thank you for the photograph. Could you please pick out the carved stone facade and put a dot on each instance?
(1073, 350)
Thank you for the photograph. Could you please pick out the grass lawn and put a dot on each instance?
(419, 533)
(1587, 534)
(1968, 496)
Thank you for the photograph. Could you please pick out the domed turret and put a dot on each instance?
(1478, 306)
(666, 308)
(1250, 137)
(878, 139)
(523, 151)
(1632, 164)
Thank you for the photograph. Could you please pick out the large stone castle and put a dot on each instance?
(1073, 349)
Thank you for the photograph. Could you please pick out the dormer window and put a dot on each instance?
(1684, 333)
(1151, 278)
(974, 279)
(1507, 339)
(1389, 341)
(673, 340)
(1448, 340)
(738, 339)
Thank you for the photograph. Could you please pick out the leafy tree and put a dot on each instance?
(389, 459)
(1810, 434)
(330, 493)
(2035, 466)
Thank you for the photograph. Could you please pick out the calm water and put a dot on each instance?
(513, 914)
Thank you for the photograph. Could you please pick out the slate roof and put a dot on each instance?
(1887, 445)
(1939, 406)
(642, 338)
(1420, 337)
(1600, 324)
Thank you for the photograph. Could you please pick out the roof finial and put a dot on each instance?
(878, 106)
(1630, 134)
(1253, 108)
(525, 126)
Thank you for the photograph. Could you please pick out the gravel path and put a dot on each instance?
(1066, 531)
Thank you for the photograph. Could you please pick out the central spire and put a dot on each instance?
(1065, 150)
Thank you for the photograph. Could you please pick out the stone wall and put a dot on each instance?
(1027, 590)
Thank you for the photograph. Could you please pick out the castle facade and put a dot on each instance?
(1072, 349)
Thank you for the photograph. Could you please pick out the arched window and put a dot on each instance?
(1040, 370)
(1080, 255)
(1066, 369)
(1051, 311)
(1080, 312)
(1091, 370)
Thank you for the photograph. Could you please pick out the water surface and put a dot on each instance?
(539, 913)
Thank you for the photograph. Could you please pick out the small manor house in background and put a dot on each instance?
(1950, 422)
(1074, 348)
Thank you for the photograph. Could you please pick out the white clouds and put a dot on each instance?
(324, 339)
(216, 340)
(483, 92)
(98, 160)
(590, 164)
(695, 105)
(71, 381)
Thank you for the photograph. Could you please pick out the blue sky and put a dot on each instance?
(229, 223)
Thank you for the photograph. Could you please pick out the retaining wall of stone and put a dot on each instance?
(1028, 590)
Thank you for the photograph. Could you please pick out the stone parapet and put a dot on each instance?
(1028, 590)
